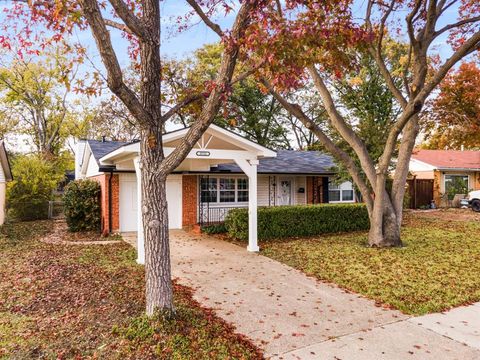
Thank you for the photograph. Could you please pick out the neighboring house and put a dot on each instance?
(448, 169)
(223, 171)
(5, 176)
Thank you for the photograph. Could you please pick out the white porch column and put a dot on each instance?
(252, 208)
(140, 238)
(250, 169)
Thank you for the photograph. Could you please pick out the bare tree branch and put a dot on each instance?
(116, 25)
(456, 25)
(215, 27)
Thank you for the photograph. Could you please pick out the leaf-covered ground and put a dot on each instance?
(68, 301)
(438, 268)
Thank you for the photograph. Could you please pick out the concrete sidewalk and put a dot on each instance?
(292, 316)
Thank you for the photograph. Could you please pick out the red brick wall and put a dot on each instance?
(310, 189)
(103, 179)
(189, 200)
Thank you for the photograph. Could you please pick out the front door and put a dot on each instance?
(284, 192)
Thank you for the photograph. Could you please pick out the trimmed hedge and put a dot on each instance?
(81, 201)
(302, 220)
(214, 229)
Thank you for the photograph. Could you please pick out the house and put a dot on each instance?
(5, 176)
(452, 171)
(223, 171)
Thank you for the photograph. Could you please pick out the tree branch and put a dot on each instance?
(114, 72)
(195, 97)
(118, 26)
(213, 102)
(339, 123)
(131, 21)
(455, 25)
(215, 27)
(338, 153)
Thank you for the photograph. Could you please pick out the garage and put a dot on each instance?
(129, 202)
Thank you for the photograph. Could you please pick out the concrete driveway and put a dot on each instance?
(292, 316)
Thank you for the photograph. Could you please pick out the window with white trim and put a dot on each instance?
(340, 192)
(223, 190)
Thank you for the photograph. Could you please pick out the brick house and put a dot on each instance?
(447, 168)
(223, 171)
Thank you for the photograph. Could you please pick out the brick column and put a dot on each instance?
(103, 180)
(189, 200)
(437, 179)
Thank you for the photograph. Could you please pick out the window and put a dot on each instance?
(227, 190)
(242, 190)
(334, 193)
(224, 190)
(340, 193)
(456, 184)
(347, 195)
(209, 190)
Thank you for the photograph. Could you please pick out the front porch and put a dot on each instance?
(220, 193)
(217, 146)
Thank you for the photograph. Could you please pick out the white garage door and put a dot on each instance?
(128, 202)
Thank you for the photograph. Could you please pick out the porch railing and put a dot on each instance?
(213, 215)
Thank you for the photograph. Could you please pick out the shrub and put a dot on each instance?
(82, 205)
(214, 229)
(34, 180)
(304, 220)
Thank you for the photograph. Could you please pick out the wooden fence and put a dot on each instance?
(421, 192)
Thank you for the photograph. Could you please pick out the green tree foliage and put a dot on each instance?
(369, 106)
(82, 205)
(257, 116)
(253, 113)
(33, 100)
(34, 180)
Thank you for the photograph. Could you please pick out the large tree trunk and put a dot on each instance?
(384, 227)
(159, 292)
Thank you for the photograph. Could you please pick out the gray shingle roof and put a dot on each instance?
(289, 162)
(286, 162)
(102, 148)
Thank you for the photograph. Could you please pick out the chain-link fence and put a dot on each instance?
(55, 209)
(35, 210)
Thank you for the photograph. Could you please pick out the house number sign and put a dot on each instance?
(203, 153)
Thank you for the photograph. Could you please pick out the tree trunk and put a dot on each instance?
(159, 292)
(384, 227)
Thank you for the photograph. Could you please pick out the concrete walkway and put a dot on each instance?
(292, 316)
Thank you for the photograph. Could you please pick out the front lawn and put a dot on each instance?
(437, 269)
(68, 301)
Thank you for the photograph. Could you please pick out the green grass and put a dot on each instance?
(87, 301)
(438, 268)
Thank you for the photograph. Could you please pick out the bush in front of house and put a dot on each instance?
(34, 180)
(81, 203)
(299, 220)
(214, 229)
